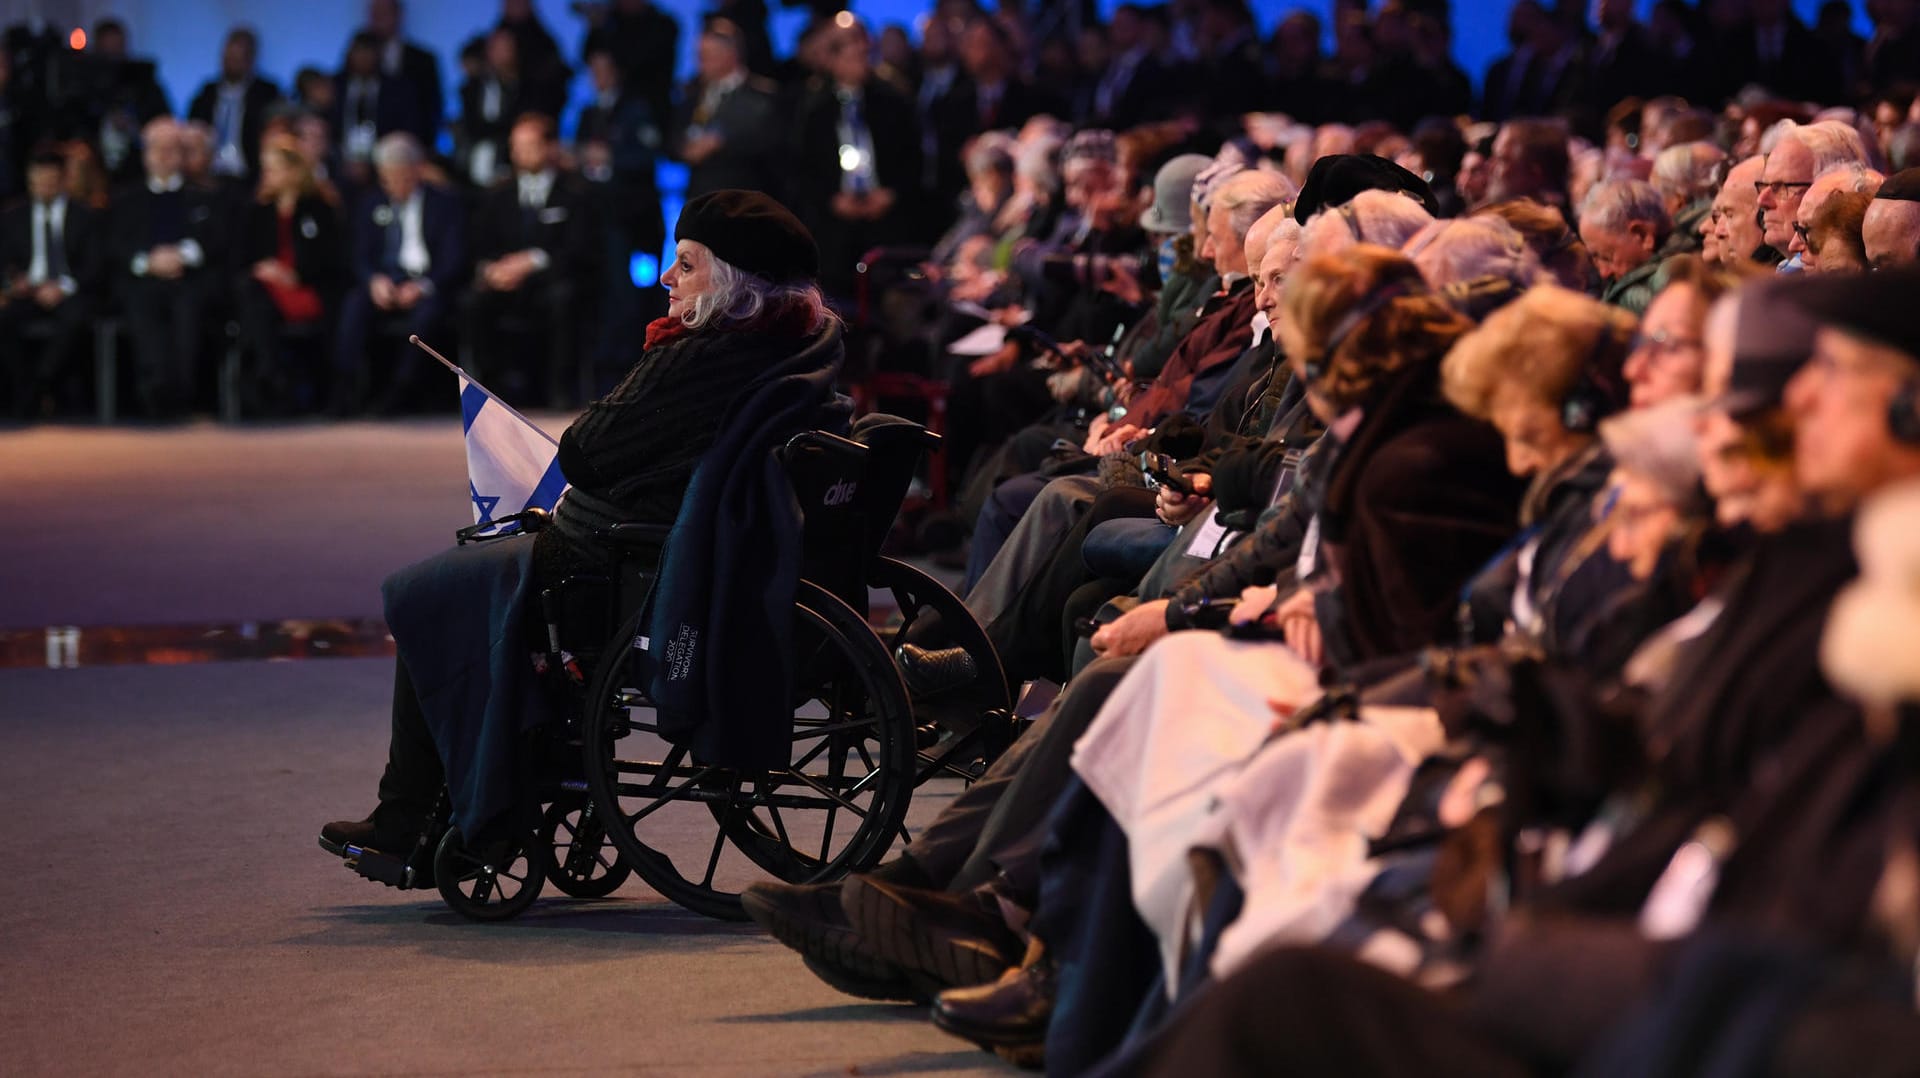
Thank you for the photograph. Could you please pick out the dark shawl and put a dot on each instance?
(721, 627)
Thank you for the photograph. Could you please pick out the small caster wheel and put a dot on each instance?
(581, 860)
(493, 885)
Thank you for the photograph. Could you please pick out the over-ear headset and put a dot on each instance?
(1596, 391)
(1315, 367)
(1903, 413)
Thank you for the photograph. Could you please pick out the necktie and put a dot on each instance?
(390, 259)
(53, 237)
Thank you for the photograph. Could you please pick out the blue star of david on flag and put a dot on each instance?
(512, 465)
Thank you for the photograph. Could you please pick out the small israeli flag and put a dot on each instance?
(512, 465)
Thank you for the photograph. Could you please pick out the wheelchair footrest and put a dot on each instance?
(381, 867)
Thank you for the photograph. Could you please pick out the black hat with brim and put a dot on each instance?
(1882, 306)
(1336, 178)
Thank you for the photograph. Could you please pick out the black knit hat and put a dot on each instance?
(1336, 178)
(751, 232)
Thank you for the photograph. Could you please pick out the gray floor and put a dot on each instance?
(166, 909)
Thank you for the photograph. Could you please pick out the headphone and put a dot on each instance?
(1595, 393)
(1313, 368)
(1903, 413)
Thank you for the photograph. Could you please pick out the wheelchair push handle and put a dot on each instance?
(824, 440)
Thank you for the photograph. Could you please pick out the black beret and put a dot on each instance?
(1336, 178)
(751, 232)
(1878, 306)
(1902, 186)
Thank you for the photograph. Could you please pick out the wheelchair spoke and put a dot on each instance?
(836, 799)
(677, 792)
(720, 838)
(779, 825)
(838, 727)
(812, 754)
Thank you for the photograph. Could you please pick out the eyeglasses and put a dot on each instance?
(1663, 343)
(1806, 235)
(1778, 187)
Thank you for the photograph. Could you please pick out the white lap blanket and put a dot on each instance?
(1180, 756)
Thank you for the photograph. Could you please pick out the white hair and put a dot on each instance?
(398, 148)
(1247, 196)
(1473, 248)
(736, 296)
(1689, 171)
(1615, 204)
(1830, 142)
(1386, 218)
(1859, 178)
(1658, 444)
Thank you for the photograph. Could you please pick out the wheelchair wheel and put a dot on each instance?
(580, 860)
(699, 834)
(496, 884)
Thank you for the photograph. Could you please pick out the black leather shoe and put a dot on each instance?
(1008, 1017)
(953, 940)
(808, 918)
(933, 671)
(391, 829)
(338, 835)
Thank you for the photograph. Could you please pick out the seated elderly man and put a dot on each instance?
(409, 259)
(1688, 176)
(1890, 232)
(1844, 179)
(1745, 699)
(1624, 223)
(1735, 218)
(1800, 154)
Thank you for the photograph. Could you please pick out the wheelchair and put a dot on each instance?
(608, 796)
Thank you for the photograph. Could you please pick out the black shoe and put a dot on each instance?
(1008, 1017)
(933, 671)
(808, 918)
(954, 940)
(390, 830)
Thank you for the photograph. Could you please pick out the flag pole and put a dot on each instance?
(414, 339)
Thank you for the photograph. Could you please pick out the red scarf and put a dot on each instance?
(787, 320)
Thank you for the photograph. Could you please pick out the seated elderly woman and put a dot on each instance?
(743, 314)
(1667, 357)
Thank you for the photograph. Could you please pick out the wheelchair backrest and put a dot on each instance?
(849, 494)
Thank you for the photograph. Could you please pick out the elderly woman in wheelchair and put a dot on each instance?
(748, 348)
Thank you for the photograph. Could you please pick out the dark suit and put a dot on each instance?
(745, 118)
(394, 107)
(166, 318)
(1126, 96)
(624, 218)
(888, 118)
(77, 253)
(549, 298)
(319, 242)
(1628, 67)
(647, 47)
(259, 96)
(476, 128)
(377, 245)
(1800, 68)
(966, 112)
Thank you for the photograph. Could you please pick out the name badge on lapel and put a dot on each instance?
(383, 215)
(553, 215)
